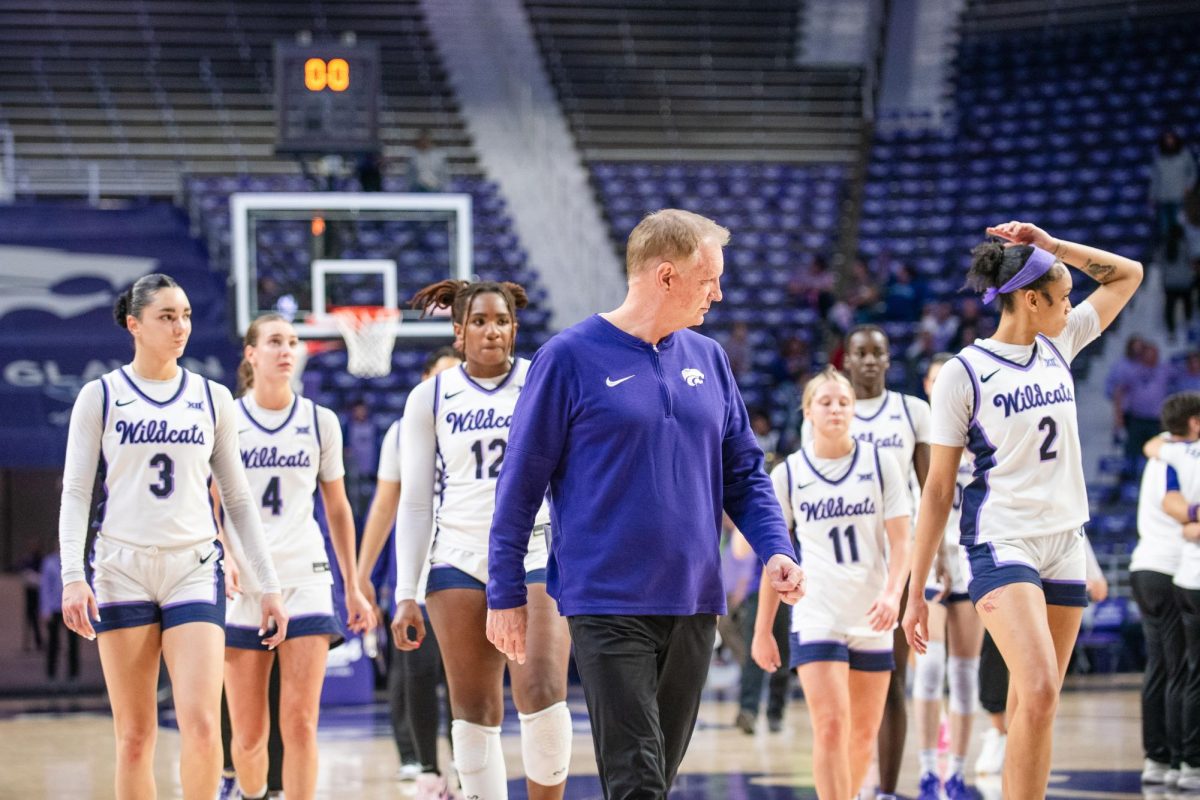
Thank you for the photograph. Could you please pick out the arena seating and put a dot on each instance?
(124, 86)
(640, 80)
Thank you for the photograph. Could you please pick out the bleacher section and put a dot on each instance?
(125, 86)
(702, 80)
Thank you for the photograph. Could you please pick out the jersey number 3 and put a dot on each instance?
(166, 475)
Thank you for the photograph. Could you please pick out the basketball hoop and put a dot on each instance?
(370, 334)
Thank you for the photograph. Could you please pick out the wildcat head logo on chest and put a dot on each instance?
(692, 377)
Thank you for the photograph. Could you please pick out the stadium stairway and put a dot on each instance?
(525, 145)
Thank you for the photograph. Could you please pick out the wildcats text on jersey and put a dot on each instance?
(156, 432)
(271, 458)
(894, 440)
(479, 419)
(1033, 396)
(833, 507)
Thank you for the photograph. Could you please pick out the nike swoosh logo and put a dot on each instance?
(988, 377)
(207, 557)
(804, 486)
(127, 402)
(450, 395)
(609, 382)
(243, 430)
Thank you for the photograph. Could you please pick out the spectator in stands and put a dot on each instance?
(918, 357)
(863, 295)
(813, 286)
(360, 456)
(768, 438)
(970, 324)
(903, 297)
(1138, 388)
(941, 324)
(428, 169)
(51, 614)
(370, 172)
(740, 350)
(1172, 176)
(1187, 379)
(1179, 287)
(31, 630)
(794, 358)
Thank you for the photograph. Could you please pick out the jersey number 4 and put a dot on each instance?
(495, 446)
(835, 536)
(272, 498)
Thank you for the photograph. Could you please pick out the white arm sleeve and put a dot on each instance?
(918, 411)
(952, 399)
(897, 500)
(1083, 328)
(779, 479)
(331, 467)
(414, 518)
(79, 475)
(389, 455)
(227, 468)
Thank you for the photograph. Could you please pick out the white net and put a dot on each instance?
(370, 335)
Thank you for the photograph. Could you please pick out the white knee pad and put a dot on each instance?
(931, 671)
(546, 744)
(480, 760)
(964, 684)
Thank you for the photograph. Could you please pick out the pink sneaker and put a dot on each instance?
(431, 786)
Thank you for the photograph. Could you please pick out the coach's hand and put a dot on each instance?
(273, 615)
(916, 620)
(786, 577)
(506, 630)
(408, 615)
(79, 609)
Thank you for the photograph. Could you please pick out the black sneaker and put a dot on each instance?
(745, 722)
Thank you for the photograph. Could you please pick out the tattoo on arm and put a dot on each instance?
(1102, 273)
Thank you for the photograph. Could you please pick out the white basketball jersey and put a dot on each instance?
(1160, 536)
(472, 425)
(156, 463)
(1024, 439)
(891, 428)
(1184, 457)
(839, 524)
(282, 464)
(965, 469)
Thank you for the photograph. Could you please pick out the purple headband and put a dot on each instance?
(1038, 264)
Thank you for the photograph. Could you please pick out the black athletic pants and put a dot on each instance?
(993, 678)
(642, 677)
(751, 681)
(1189, 603)
(1166, 665)
(54, 632)
(413, 678)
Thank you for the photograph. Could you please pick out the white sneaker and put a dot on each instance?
(991, 756)
(1189, 777)
(409, 772)
(1154, 771)
(1172, 777)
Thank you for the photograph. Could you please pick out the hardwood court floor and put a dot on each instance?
(46, 753)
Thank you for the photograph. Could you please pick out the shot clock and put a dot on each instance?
(326, 98)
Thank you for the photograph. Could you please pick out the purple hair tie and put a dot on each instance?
(1038, 264)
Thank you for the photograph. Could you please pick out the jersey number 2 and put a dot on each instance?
(835, 536)
(271, 498)
(166, 475)
(1051, 428)
(493, 470)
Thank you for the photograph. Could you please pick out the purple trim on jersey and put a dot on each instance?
(1065, 364)
(264, 428)
(1007, 362)
(212, 407)
(951, 597)
(117, 616)
(1172, 479)
(512, 371)
(887, 397)
(437, 393)
(104, 407)
(872, 660)
(316, 433)
(247, 637)
(833, 650)
(183, 382)
(975, 387)
(976, 493)
(820, 477)
(989, 573)
(879, 475)
(448, 576)
(103, 505)
(908, 414)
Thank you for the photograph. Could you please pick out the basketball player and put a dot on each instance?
(291, 448)
(458, 424)
(413, 675)
(158, 432)
(1172, 739)
(848, 502)
(1010, 400)
(952, 620)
